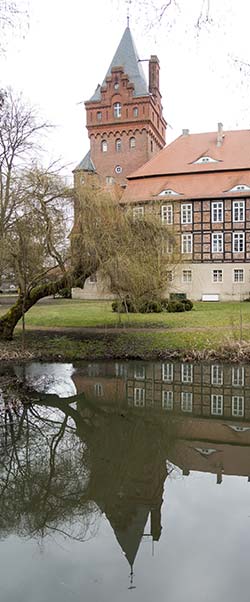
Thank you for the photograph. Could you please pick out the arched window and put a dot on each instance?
(104, 146)
(118, 145)
(135, 111)
(132, 142)
(117, 109)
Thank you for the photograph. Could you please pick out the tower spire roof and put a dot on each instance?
(126, 56)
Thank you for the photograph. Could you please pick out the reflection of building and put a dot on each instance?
(207, 390)
(142, 420)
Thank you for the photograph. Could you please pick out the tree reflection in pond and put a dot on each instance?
(43, 467)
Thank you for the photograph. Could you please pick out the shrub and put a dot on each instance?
(123, 307)
(175, 306)
(65, 293)
(150, 307)
(188, 304)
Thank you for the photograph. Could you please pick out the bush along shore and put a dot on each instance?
(48, 346)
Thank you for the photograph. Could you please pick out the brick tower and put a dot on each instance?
(125, 123)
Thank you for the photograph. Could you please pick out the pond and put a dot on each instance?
(126, 479)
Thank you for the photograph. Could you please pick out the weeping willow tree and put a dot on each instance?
(133, 256)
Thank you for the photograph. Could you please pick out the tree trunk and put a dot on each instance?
(10, 319)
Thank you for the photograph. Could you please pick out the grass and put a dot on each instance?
(207, 326)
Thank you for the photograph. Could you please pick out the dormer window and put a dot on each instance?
(239, 188)
(117, 109)
(104, 146)
(116, 86)
(168, 192)
(205, 159)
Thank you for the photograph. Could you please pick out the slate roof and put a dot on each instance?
(126, 56)
(86, 164)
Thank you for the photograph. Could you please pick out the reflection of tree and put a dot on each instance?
(43, 472)
(61, 459)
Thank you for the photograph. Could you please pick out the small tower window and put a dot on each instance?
(151, 146)
(117, 109)
(118, 145)
(104, 146)
(99, 115)
(135, 111)
(132, 142)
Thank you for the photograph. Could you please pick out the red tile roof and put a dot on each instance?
(179, 156)
(173, 168)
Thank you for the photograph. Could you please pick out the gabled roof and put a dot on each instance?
(86, 164)
(179, 156)
(126, 56)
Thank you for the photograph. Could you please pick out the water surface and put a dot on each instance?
(124, 479)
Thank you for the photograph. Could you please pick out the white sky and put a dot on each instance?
(69, 46)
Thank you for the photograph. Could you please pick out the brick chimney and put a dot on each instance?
(154, 75)
(220, 135)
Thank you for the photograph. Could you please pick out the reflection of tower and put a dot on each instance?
(127, 459)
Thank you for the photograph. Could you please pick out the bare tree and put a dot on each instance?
(12, 16)
(19, 130)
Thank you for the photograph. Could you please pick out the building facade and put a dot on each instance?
(200, 187)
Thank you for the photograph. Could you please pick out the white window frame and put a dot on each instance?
(237, 279)
(132, 142)
(217, 242)
(117, 109)
(167, 400)
(135, 112)
(238, 242)
(104, 146)
(217, 405)
(167, 372)
(138, 213)
(187, 401)
(238, 406)
(187, 373)
(217, 212)
(139, 397)
(187, 243)
(139, 372)
(215, 277)
(118, 145)
(167, 214)
(98, 388)
(238, 376)
(187, 276)
(238, 211)
(217, 375)
(186, 213)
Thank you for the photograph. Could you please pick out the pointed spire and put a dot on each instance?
(128, 2)
(126, 56)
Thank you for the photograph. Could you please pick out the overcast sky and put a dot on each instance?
(69, 45)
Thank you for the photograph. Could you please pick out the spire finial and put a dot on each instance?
(128, 2)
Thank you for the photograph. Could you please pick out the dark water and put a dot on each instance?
(124, 481)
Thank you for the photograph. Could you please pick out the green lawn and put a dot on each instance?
(208, 325)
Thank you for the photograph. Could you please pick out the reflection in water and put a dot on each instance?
(109, 448)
